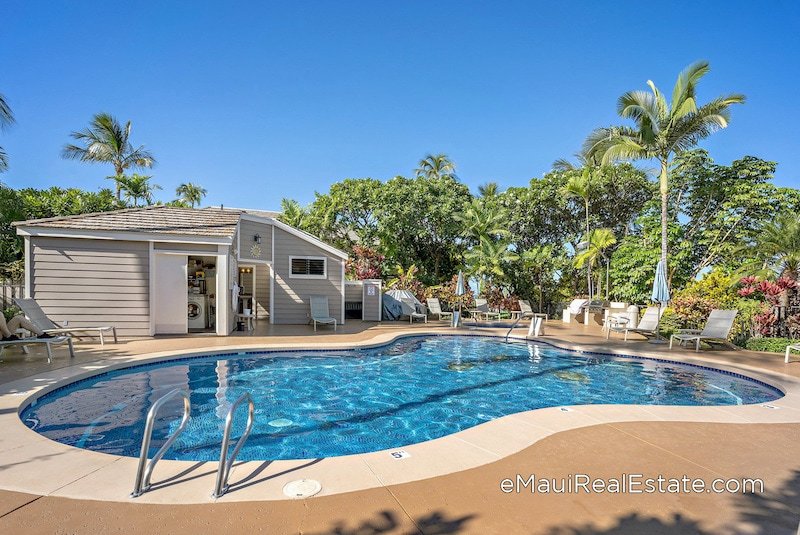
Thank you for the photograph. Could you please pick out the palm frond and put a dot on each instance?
(6, 115)
(686, 83)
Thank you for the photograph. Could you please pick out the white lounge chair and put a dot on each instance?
(789, 349)
(410, 308)
(647, 326)
(718, 327)
(482, 309)
(23, 343)
(320, 312)
(435, 307)
(36, 315)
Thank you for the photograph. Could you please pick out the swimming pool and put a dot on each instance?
(312, 404)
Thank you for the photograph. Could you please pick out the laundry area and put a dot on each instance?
(201, 294)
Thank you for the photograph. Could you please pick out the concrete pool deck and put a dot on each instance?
(35, 466)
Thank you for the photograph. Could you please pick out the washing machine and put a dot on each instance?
(198, 310)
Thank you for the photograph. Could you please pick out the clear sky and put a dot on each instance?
(258, 101)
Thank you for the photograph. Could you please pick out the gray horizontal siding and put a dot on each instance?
(291, 299)
(262, 290)
(93, 282)
(248, 229)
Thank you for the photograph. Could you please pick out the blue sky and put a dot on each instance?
(258, 101)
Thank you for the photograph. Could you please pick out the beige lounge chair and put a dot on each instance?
(36, 315)
(320, 312)
(526, 311)
(647, 326)
(435, 307)
(410, 308)
(718, 327)
(23, 343)
(482, 309)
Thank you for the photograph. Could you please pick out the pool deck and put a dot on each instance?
(447, 485)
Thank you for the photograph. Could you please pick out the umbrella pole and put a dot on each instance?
(658, 339)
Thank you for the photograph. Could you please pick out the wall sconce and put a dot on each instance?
(257, 238)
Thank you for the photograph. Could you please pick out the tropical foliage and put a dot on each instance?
(190, 194)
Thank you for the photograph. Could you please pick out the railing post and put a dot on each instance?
(225, 464)
(145, 468)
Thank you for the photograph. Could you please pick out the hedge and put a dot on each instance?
(770, 345)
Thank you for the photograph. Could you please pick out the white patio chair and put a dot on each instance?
(718, 327)
(320, 312)
(435, 307)
(36, 315)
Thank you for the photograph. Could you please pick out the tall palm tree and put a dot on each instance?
(776, 250)
(580, 185)
(6, 120)
(662, 129)
(107, 141)
(482, 221)
(191, 194)
(485, 261)
(138, 187)
(435, 167)
(598, 241)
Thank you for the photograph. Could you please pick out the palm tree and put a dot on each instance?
(662, 129)
(191, 194)
(138, 187)
(776, 250)
(436, 167)
(6, 120)
(293, 214)
(580, 185)
(485, 261)
(404, 278)
(489, 190)
(482, 221)
(107, 141)
(598, 241)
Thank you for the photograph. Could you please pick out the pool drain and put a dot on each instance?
(280, 422)
(302, 488)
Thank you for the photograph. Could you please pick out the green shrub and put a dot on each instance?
(10, 312)
(770, 345)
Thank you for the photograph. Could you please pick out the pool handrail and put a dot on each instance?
(225, 464)
(145, 468)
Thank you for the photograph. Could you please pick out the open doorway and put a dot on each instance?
(247, 290)
(202, 294)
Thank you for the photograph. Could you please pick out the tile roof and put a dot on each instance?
(153, 219)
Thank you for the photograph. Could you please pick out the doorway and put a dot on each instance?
(201, 284)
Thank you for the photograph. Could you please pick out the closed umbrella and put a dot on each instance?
(660, 295)
(460, 290)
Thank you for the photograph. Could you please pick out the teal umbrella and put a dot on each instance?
(660, 295)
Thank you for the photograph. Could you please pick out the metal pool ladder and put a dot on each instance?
(145, 469)
(225, 464)
(519, 319)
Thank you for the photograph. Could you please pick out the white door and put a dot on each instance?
(170, 301)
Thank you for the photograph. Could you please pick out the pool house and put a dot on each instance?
(170, 270)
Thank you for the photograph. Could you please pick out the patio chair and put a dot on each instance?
(482, 309)
(411, 309)
(648, 325)
(320, 312)
(435, 307)
(36, 315)
(23, 343)
(525, 309)
(718, 327)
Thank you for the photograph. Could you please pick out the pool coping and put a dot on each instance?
(71, 472)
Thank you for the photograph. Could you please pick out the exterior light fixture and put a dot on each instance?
(257, 238)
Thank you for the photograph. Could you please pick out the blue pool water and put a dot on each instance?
(312, 405)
